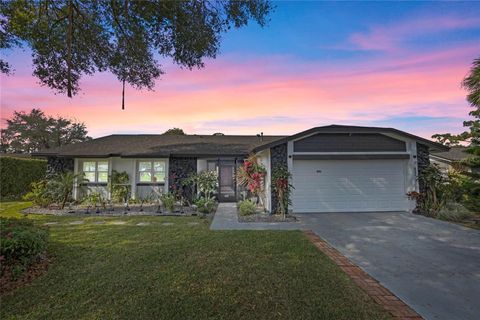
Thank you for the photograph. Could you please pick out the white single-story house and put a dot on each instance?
(334, 168)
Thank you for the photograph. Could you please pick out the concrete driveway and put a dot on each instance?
(433, 266)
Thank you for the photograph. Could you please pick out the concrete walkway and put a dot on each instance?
(433, 266)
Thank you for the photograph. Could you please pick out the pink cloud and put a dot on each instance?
(389, 37)
(253, 91)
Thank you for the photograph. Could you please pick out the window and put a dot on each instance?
(95, 171)
(151, 171)
(211, 165)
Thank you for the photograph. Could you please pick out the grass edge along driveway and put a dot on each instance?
(176, 268)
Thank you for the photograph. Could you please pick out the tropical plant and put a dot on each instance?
(439, 191)
(247, 207)
(38, 194)
(282, 188)
(469, 180)
(119, 185)
(93, 198)
(251, 175)
(168, 201)
(206, 183)
(205, 205)
(60, 187)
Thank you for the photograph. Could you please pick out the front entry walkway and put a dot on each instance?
(433, 266)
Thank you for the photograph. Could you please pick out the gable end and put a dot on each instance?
(349, 142)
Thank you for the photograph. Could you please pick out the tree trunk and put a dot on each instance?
(69, 49)
(65, 198)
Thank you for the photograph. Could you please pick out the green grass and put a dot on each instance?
(183, 271)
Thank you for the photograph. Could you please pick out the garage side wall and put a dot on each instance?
(423, 160)
(278, 155)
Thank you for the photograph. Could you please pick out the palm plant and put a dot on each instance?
(61, 186)
(472, 84)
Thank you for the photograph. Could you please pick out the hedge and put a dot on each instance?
(17, 174)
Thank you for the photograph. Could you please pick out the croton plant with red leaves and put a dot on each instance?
(251, 175)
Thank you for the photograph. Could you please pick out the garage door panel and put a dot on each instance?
(349, 185)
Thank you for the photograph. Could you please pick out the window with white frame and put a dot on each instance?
(95, 171)
(151, 171)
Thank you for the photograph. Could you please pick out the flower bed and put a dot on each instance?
(266, 217)
(248, 211)
(114, 210)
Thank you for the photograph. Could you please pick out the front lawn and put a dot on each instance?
(176, 268)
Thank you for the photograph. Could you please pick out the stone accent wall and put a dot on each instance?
(423, 161)
(57, 165)
(180, 168)
(278, 157)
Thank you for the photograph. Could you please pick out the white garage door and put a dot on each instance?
(349, 185)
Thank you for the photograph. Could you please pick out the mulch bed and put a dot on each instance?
(9, 284)
(117, 210)
(266, 217)
(381, 295)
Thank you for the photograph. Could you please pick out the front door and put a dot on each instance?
(227, 182)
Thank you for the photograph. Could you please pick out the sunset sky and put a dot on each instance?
(316, 63)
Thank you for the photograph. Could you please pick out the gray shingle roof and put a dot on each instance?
(160, 145)
(147, 145)
(456, 153)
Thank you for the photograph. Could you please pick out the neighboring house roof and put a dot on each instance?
(160, 145)
(20, 155)
(456, 153)
(148, 145)
(356, 129)
(15, 155)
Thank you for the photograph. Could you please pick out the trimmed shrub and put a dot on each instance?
(205, 205)
(16, 176)
(21, 244)
(247, 207)
(454, 212)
